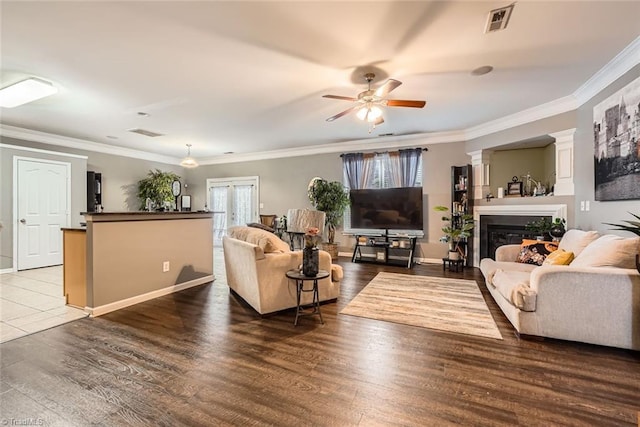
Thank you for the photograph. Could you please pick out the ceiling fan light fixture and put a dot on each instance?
(25, 91)
(369, 113)
(189, 162)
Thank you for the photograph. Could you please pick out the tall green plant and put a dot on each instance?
(156, 187)
(630, 226)
(331, 198)
(455, 231)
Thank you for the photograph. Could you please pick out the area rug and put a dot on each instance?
(452, 305)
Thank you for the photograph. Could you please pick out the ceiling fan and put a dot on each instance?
(368, 102)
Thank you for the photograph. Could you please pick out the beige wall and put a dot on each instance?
(119, 180)
(283, 182)
(519, 162)
(601, 212)
(283, 186)
(124, 258)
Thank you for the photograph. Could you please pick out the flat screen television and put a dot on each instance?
(387, 208)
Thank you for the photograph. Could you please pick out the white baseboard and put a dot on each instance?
(6, 270)
(108, 308)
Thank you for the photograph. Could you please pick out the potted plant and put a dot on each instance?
(157, 188)
(540, 227)
(558, 229)
(632, 227)
(331, 198)
(457, 229)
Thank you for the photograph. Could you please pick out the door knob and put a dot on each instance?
(23, 221)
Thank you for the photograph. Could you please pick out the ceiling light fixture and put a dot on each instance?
(25, 91)
(369, 113)
(189, 162)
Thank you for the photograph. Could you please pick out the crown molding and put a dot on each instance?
(81, 144)
(555, 107)
(39, 150)
(620, 64)
(370, 144)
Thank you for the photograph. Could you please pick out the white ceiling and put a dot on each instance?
(248, 76)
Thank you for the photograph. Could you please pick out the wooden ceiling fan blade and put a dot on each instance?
(405, 103)
(344, 98)
(387, 87)
(343, 113)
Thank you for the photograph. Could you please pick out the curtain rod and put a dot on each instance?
(384, 152)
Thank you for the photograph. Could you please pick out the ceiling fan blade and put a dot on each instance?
(343, 113)
(387, 87)
(405, 103)
(344, 98)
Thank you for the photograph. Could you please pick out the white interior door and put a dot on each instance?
(234, 201)
(43, 207)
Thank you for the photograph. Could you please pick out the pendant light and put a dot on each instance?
(189, 162)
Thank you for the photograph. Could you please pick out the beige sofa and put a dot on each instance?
(595, 299)
(256, 262)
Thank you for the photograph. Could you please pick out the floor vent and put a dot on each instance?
(498, 19)
(145, 132)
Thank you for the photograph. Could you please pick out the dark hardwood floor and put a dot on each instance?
(202, 357)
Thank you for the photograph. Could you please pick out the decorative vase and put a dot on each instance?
(310, 261)
(454, 255)
(557, 231)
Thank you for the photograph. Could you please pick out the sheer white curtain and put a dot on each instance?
(243, 204)
(218, 200)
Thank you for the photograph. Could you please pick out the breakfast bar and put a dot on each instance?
(131, 257)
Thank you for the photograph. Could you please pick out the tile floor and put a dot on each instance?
(32, 301)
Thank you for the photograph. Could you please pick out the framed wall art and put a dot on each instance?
(616, 157)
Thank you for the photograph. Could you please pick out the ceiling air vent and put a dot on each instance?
(145, 132)
(498, 19)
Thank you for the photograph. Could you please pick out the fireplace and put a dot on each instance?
(498, 225)
(498, 230)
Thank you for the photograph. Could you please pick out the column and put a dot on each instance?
(480, 166)
(564, 185)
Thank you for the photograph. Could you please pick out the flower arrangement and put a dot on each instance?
(311, 237)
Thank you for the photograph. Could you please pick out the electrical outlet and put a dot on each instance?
(165, 266)
(587, 206)
(581, 205)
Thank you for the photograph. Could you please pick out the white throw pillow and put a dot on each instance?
(576, 240)
(609, 251)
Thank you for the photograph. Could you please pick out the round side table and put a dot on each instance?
(300, 280)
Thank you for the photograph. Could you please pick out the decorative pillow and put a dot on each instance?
(268, 242)
(261, 226)
(534, 251)
(559, 257)
(609, 251)
(576, 240)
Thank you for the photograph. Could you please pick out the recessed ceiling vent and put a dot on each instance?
(498, 19)
(145, 132)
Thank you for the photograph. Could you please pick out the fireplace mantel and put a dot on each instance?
(555, 211)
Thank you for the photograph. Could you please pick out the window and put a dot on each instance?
(401, 168)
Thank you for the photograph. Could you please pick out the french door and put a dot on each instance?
(233, 201)
(43, 208)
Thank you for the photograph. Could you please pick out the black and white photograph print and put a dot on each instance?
(616, 129)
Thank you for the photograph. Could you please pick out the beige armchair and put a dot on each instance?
(256, 262)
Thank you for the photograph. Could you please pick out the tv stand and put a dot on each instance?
(390, 249)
